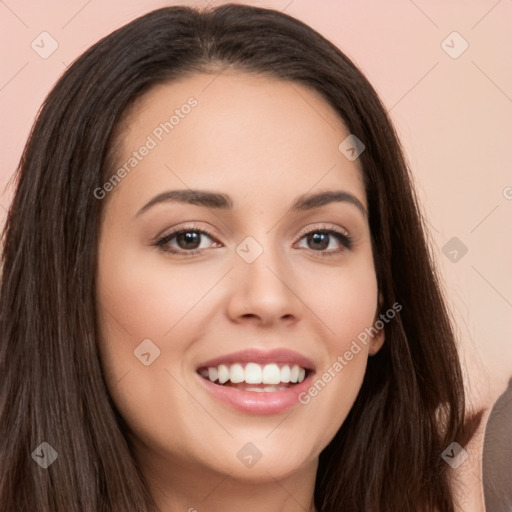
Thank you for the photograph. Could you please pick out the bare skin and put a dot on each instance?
(263, 142)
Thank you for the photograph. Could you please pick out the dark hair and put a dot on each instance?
(385, 456)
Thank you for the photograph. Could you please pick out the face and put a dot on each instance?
(241, 286)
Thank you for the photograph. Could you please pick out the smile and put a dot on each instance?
(257, 382)
(268, 378)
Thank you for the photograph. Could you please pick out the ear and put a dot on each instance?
(378, 339)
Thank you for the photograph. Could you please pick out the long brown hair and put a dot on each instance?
(386, 455)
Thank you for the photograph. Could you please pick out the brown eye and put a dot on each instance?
(320, 240)
(186, 241)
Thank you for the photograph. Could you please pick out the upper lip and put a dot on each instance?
(257, 355)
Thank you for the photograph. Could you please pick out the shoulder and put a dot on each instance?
(497, 454)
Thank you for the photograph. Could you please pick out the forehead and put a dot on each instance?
(252, 134)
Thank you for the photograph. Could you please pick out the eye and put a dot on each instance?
(187, 240)
(321, 241)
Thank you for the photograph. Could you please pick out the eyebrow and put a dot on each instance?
(218, 200)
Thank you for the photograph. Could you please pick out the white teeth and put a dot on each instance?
(285, 373)
(236, 373)
(266, 389)
(213, 374)
(294, 374)
(223, 373)
(254, 373)
(271, 374)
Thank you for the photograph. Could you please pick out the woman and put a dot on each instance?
(216, 290)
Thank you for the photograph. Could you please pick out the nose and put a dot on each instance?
(264, 291)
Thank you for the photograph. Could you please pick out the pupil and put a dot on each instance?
(189, 238)
(322, 238)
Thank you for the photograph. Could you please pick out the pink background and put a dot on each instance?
(453, 116)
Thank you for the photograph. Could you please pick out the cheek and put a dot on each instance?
(345, 302)
(139, 301)
(140, 298)
(344, 299)
(149, 299)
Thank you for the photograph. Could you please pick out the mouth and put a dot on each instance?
(257, 382)
(255, 377)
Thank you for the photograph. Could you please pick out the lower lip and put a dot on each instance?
(253, 402)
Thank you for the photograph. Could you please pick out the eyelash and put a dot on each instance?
(345, 240)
